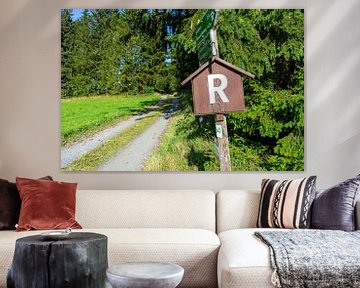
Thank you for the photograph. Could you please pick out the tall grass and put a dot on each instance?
(182, 148)
(86, 115)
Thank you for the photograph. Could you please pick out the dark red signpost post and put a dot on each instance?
(217, 86)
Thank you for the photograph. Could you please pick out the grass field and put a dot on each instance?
(86, 115)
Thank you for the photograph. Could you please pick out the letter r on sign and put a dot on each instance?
(218, 89)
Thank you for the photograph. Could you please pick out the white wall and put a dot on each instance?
(30, 94)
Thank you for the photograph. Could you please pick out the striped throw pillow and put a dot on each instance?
(286, 204)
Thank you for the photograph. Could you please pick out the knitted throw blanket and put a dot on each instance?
(313, 258)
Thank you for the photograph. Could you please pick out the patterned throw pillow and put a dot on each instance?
(286, 204)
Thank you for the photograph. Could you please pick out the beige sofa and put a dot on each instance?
(175, 226)
(243, 261)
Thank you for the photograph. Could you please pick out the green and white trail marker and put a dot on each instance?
(205, 36)
(205, 25)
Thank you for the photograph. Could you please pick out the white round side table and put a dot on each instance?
(145, 275)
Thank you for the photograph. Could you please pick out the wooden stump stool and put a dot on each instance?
(78, 261)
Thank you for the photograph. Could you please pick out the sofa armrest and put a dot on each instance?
(357, 215)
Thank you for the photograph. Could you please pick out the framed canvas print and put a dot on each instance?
(182, 90)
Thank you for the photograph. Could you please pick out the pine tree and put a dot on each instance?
(67, 31)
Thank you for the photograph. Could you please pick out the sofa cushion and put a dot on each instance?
(196, 250)
(334, 208)
(153, 209)
(286, 204)
(244, 261)
(236, 209)
(46, 204)
(10, 204)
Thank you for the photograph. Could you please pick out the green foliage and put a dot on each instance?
(112, 52)
(240, 42)
(289, 154)
(271, 114)
(247, 156)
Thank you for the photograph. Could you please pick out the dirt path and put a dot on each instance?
(70, 153)
(133, 155)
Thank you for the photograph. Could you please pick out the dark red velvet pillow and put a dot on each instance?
(10, 204)
(46, 204)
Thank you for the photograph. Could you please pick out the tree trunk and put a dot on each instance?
(78, 261)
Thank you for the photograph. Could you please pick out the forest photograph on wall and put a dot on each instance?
(182, 90)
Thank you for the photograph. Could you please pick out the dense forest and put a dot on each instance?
(112, 52)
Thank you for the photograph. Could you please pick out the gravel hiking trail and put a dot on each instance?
(133, 155)
(70, 153)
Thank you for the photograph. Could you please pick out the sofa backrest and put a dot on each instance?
(236, 209)
(239, 209)
(146, 209)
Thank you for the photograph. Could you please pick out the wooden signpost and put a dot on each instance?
(204, 36)
(217, 85)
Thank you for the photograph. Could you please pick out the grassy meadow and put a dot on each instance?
(86, 115)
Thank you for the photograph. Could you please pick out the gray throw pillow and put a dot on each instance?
(334, 208)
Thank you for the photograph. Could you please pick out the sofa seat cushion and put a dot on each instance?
(196, 250)
(244, 261)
